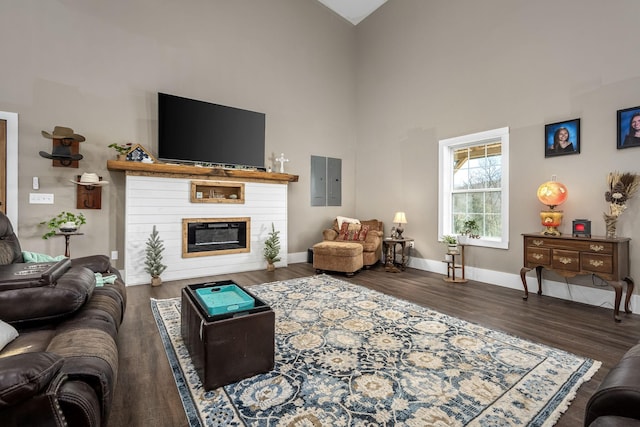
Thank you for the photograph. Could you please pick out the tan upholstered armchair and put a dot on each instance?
(371, 245)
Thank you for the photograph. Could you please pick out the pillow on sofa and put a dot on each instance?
(353, 232)
(342, 219)
(7, 334)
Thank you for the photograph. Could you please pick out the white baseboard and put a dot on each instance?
(596, 296)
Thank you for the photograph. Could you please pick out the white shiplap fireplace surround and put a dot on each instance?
(160, 194)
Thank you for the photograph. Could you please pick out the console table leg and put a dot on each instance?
(630, 286)
(539, 277)
(523, 272)
(617, 287)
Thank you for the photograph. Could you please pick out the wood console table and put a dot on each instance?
(607, 259)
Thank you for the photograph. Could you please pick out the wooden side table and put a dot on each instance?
(67, 237)
(390, 246)
(452, 266)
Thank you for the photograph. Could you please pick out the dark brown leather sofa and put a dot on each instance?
(616, 402)
(61, 370)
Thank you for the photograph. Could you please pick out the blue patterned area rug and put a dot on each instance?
(350, 356)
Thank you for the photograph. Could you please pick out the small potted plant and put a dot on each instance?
(451, 242)
(153, 263)
(272, 248)
(65, 222)
(121, 149)
(470, 229)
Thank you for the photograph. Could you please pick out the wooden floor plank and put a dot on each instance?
(146, 394)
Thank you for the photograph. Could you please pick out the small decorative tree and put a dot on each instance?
(153, 262)
(272, 248)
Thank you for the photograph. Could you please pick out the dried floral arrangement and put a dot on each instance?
(622, 187)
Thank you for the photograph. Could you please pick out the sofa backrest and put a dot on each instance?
(10, 250)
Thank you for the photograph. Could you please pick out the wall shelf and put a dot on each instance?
(216, 192)
(187, 171)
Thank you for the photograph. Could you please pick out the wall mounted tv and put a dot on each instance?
(192, 131)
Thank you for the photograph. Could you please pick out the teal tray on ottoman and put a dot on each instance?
(223, 299)
(228, 347)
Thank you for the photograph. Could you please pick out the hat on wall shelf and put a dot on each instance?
(61, 132)
(61, 152)
(90, 180)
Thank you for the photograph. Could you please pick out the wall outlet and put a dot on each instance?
(114, 255)
(412, 244)
(40, 198)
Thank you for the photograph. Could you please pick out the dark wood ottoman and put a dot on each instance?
(228, 350)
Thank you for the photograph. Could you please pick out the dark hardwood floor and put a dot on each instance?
(146, 394)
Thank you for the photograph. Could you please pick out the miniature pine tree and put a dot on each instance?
(154, 251)
(272, 246)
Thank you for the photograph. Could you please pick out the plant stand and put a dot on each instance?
(452, 266)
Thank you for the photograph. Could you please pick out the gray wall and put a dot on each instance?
(379, 96)
(429, 70)
(97, 66)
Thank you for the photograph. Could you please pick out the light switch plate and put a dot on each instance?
(40, 198)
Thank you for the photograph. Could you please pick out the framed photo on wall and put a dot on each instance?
(562, 138)
(628, 127)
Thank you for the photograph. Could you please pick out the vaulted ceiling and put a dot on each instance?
(353, 11)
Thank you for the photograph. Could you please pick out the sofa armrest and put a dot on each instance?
(329, 234)
(95, 263)
(619, 392)
(25, 375)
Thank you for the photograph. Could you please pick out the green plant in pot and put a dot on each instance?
(451, 242)
(153, 263)
(66, 222)
(272, 248)
(471, 228)
(121, 149)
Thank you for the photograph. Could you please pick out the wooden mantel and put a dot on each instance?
(186, 171)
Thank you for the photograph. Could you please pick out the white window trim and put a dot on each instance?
(446, 148)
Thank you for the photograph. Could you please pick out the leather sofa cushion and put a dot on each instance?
(25, 375)
(21, 307)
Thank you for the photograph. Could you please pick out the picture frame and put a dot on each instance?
(555, 134)
(138, 153)
(628, 136)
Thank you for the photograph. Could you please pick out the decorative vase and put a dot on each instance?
(452, 248)
(122, 157)
(610, 223)
(156, 281)
(271, 266)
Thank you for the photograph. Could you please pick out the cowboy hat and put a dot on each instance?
(61, 132)
(90, 179)
(61, 152)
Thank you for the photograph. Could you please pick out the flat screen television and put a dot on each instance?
(192, 131)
